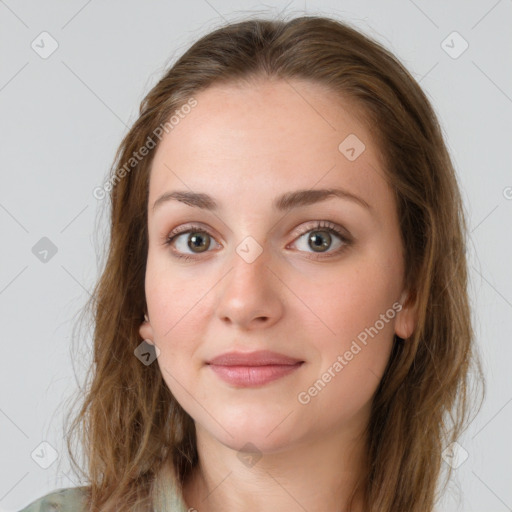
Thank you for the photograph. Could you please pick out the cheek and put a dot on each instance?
(350, 299)
(171, 298)
(357, 326)
(352, 361)
(173, 317)
(178, 311)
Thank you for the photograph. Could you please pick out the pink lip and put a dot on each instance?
(254, 368)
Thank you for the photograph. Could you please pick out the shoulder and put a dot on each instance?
(70, 499)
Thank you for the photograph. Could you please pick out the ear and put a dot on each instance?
(407, 317)
(146, 331)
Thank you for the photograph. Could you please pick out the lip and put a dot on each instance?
(253, 369)
(258, 358)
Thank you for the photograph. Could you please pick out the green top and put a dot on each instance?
(71, 499)
(65, 500)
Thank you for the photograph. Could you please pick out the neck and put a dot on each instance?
(316, 476)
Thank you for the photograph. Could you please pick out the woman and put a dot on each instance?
(283, 319)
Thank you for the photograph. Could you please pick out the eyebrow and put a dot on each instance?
(282, 203)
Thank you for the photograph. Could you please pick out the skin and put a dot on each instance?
(245, 145)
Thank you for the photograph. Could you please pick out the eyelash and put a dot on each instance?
(321, 225)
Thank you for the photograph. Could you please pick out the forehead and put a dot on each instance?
(267, 137)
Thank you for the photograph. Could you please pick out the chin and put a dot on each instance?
(253, 442)
(264, 434)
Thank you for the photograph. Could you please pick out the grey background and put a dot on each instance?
(62, 118)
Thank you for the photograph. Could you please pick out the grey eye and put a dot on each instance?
(318, 243)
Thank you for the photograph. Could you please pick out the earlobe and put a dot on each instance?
(146, 331)
(406, 318)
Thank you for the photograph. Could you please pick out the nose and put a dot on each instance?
(249, 297)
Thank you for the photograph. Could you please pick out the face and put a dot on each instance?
(318, 280)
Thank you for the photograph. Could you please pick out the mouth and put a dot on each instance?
(253, 369)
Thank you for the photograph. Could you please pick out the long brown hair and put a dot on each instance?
(130, 425)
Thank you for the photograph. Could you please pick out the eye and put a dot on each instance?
(320, 239)
(199, 240)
